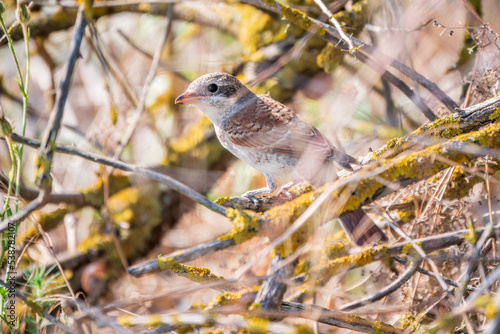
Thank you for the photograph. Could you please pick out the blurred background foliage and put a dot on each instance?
(120, 218)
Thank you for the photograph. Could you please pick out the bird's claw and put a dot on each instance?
(285, 193)
(251, 197)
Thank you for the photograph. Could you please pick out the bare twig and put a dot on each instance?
(274, 286)
(429, 273)
(147, 82)
(417, 248)
(47, 147)
(162, 178)
(25, 212)
(336, 24)
(109, 65)
(385, 291)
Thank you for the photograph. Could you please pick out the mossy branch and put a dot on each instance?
(365, 53)
(367, 183)
(375, 253)
(64, 18)
(159, 177)
(256, 322)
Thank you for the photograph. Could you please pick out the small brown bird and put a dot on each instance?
(274, 140)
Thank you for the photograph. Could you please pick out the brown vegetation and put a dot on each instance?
(133, 223)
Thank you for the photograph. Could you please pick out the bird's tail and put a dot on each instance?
(360, 229)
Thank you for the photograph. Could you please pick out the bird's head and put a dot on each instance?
(216, 94)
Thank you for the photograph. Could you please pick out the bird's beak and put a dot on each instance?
(188, 98)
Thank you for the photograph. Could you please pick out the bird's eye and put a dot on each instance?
(212, 88)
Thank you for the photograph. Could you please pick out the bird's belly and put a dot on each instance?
(280, 166)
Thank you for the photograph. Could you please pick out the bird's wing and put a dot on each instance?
(269, 126)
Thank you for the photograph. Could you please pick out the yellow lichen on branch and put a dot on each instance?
(246, 224)
(367, 184)
(196, 274)
(327, 269)
(242, 296)
(410, 168)
(418, 165)
(445, 128)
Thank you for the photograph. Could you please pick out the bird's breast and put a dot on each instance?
(281, 167)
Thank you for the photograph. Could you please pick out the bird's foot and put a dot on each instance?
(251, 197)
(284, 190)
(285, 193)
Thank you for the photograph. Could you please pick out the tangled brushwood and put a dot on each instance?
(133, 223)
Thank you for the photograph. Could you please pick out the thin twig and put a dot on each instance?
(47, 148)
(147, 82)
(336, 24)
(108, 64)
(48, 243)
(162, 178)
(417, 248)
(430, 273)
(38, 203)
(385, 291)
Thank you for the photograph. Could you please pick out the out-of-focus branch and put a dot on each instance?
(180, 256)
(274, 286)
(376, 253)
(385, 291)
(429, 273)
(25, 212)
(367, 54)
(30, 194)
(165, 322)
(342, 320)
(162, 178)
(47, 147)
(147, 82)
(64, 17)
